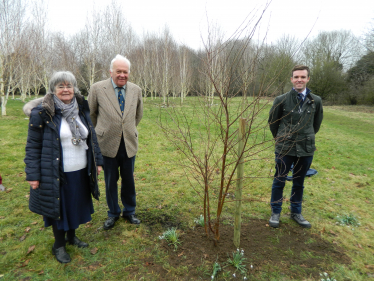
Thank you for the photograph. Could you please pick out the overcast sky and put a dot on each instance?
(187, 20)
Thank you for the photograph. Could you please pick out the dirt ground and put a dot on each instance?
(289, 251)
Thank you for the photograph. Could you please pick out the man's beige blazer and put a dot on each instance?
(108, 120)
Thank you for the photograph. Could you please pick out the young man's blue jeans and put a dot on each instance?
(282, 168)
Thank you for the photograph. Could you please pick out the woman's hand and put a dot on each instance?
(34, 184)
(99, 169)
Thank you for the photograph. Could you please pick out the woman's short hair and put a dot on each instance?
(122, 58)
(62, 77)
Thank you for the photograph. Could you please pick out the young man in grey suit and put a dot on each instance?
(116, 109)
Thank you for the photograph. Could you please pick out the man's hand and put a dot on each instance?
(99, 169)
(34, 184)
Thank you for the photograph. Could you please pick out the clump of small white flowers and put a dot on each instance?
(200, 220)
(161, 237)
(216, 269)
(325, 277)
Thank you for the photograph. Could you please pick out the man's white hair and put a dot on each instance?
(121, 58)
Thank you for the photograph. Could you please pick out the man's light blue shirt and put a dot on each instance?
(303, 93)
(116, 90)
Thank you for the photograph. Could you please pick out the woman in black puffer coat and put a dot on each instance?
(63, 160)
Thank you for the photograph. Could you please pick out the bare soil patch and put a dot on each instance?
(289, 251)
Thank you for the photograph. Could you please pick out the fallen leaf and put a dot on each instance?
(27, 195)
(34, 223)
(123, 242)
(180, 254)
(332, 232)
(41, 272)
(266, 225)
(22, 238)
(25, 263)
(8, 190)
(94, 251)
(159, 207)
(369, 266)
(143, 179)
(31, 248)
(367, 201)
(323, 230)
(27, 229)
(93, 267)
(359, 245)
(332, 199)
(2, 217)
(41, 229)
(148, 263)
(205, 256)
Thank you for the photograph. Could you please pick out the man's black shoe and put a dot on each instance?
(77, 242)
(110, 222)
(300, 220)
(274, 220)
(61, 255)
(132, 219)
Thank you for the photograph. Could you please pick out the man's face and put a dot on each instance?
(299, 80)
(120, 73)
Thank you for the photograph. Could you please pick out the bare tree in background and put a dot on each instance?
(12, 19)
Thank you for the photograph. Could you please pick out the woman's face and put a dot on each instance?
(65, 92)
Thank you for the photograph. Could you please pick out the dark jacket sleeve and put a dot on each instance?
(275, 116)
(34, 147)
(318, 116)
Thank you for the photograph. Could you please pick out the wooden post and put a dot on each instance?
(239, 183)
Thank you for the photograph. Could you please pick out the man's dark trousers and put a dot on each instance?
(126, 169)
(282, 168)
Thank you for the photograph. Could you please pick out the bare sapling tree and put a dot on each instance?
(208, 143)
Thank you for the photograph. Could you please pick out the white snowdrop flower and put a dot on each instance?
(325, 274)
(251, 266)
(212, 277)
(237, 250)
(234, 275)
(245, 278)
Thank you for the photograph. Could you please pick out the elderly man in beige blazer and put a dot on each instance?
(116, 109)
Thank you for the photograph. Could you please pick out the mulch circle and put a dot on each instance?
(288, 251)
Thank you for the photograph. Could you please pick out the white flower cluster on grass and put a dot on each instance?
(325, 277)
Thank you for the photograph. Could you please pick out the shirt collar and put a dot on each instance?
(303, 92)
(115, 86)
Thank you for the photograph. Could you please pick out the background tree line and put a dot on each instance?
(342, 65)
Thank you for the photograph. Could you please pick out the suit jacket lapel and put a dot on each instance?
(110, 93)
(128, 99)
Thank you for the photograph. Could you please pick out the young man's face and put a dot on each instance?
(299, 80)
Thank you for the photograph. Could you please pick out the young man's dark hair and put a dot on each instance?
(300, 67)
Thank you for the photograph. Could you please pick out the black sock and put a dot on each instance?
(59, 237)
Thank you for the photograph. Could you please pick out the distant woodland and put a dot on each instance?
(342, 65)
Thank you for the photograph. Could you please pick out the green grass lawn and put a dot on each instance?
(344, 186)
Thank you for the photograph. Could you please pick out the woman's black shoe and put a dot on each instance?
(77, 242)
(61, 255)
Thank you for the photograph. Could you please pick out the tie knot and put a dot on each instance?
(119, 88)
(300, 96)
